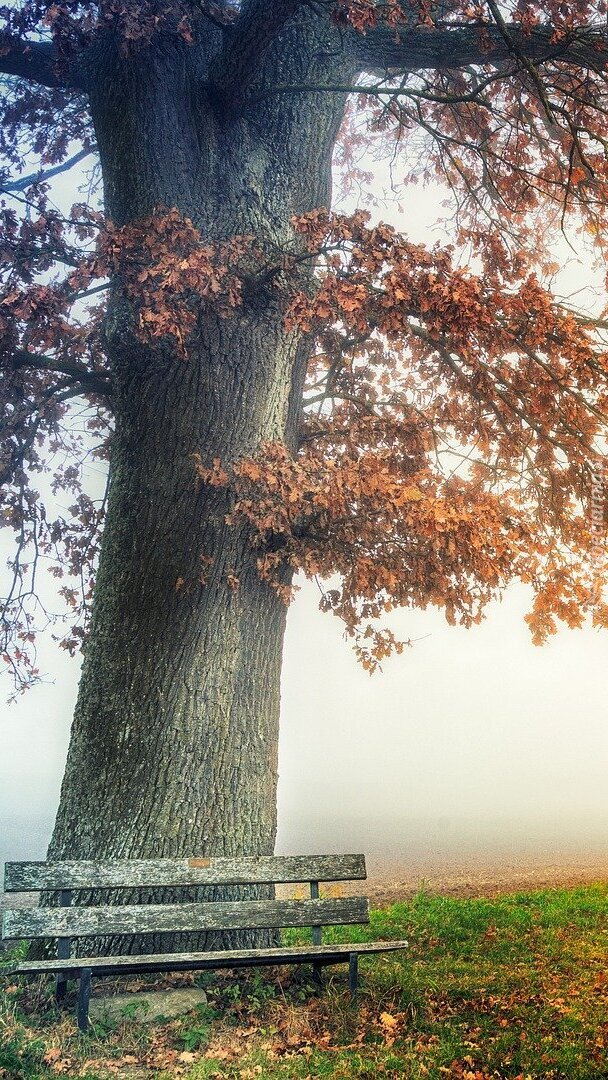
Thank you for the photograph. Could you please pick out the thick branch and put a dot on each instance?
(97, 381)
(37, 62)
(423, 48)
(246, 43)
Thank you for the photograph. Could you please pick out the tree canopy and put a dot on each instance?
(453, 418)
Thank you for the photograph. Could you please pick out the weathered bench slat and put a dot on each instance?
(230, 958)
(156, 918)
(125, 873)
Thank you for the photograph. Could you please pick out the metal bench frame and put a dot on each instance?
(68, 921)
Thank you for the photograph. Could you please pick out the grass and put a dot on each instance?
(506, 988)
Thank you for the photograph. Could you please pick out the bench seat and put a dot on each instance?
(116, 965)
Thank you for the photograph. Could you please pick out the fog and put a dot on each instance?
(473, 746)
(474, 742)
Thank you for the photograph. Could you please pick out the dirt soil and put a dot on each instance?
(392, 879)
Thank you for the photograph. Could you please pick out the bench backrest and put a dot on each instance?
(66, 922)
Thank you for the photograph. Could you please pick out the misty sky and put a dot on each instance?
(472, 740)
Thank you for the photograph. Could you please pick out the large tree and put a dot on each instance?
(279, 387)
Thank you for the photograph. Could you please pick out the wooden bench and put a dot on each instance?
(67, 923)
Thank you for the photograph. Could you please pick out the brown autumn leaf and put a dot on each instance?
(388, 1021)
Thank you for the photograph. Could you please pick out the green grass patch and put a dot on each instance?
(512, 988)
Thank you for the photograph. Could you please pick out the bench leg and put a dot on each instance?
(353, 974)
(61, 987)
(84, 995)
(317, 976)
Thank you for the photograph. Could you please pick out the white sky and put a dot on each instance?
(473, 741)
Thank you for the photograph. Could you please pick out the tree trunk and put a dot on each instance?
(175, 735)
(174, 741)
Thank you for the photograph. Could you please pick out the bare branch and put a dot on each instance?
(42, 175)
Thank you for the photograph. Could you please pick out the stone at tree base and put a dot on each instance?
(147, 1007)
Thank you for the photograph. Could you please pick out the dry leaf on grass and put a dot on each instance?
(52, 1055)
(387, 1020)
